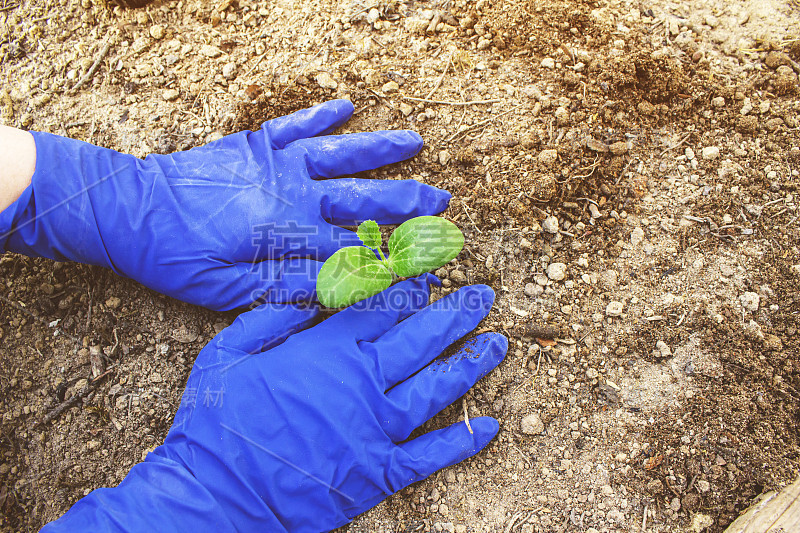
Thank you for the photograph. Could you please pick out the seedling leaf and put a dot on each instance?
(423, 244)
(370, 234)
(350, 275)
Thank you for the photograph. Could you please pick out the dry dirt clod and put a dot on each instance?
(532, 425)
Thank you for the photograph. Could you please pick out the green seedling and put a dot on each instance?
(355, 273)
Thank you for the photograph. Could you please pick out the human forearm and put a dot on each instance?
(17, 163)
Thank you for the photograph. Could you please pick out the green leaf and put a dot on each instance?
(350, 275)
(423, 244)
(370, 234)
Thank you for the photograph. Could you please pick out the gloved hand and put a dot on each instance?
(240, 219)
(307, 434)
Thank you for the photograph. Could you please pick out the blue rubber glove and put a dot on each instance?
(308, 434)
(242, 219)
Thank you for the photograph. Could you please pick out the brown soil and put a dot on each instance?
(682, 439)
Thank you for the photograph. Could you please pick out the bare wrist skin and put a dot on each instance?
(17, 163)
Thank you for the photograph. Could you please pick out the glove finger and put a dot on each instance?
(292, 280)
(419, 458)
(350, 201)
(318, 240)
(414, 401)
(340, 238)
(337, 155)
(412, 344)
(370, 318)
(266, 326)
(318, 120)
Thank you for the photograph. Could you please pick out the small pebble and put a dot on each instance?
(548, 62)
(170, 94)
(710, 152)
(326, 81)
(614, 309)
(619, 148)
(390, 87)
(210, 51)
(663, 349)
(532, 425)
(458, 276)
(747, 106)
(550, 224)
(562, 116)
(157, 31)
(711, 20)
(229, 71)
(548, 157)
(556, 271)
(637, 236)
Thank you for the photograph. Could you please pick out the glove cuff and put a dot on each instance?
(71, 191)
(11, 216)
(156, 495)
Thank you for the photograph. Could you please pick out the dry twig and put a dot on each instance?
(481, 123)
(446, 102)
(90, 73)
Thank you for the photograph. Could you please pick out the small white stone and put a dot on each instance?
(170, 94)
(562, 116)
(710, 152)
(326, 81)
(608, 279)
(210, 51)
(157, 31)
(390, 87)
(703, 485)
(550, 224)
(229, 71)
(556, 271)
(747, 106)
(663, 349)
(548, 62)
(614, 309)
(637, 235)
(373, 15)
(718, 102)
(750, 301)
(711, 20)
(532, 425)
